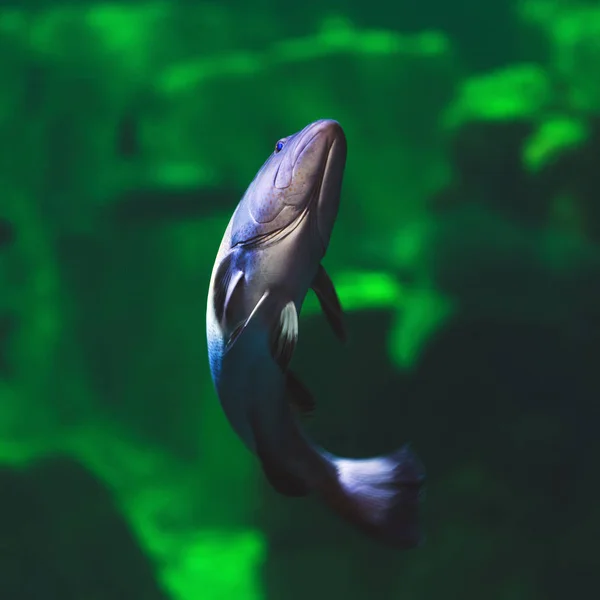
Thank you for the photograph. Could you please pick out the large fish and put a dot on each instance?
(269, 257)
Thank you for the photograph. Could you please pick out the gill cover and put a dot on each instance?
(283, 187)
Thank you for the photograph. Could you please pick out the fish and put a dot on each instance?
(269, 258)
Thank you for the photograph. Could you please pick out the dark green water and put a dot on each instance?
(466, 254)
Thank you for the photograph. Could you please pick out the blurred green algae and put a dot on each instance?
(461, 204)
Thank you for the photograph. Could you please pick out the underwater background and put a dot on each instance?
(466, 254)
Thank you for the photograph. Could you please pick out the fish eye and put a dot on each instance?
(279, 146)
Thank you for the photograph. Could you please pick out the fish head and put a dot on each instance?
(304, 173)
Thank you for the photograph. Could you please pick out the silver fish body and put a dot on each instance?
(269, 258)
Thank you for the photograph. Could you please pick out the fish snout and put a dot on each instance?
(331, 181)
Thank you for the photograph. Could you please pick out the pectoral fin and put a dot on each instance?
(283, 325)
(284, 336)
(226, 281)
(298, 395)
(330, 303)
(260, 305)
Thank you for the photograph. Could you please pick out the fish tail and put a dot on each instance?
(380, 495)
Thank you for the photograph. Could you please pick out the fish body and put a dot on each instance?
(269, 258)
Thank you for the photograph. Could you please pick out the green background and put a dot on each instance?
(465, 254)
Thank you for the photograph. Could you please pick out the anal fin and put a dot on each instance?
(298, 395)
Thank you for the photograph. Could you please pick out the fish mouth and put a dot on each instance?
(305, 141)
(325, 199)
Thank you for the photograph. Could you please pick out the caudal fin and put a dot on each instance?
(379, 495)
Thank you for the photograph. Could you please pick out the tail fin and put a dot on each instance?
(379, 495)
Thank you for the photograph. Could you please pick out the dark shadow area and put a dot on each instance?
(503, 414)
(156, 206)
(7, 233)
(63, 538)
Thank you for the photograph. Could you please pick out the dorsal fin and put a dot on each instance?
(330, 303)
